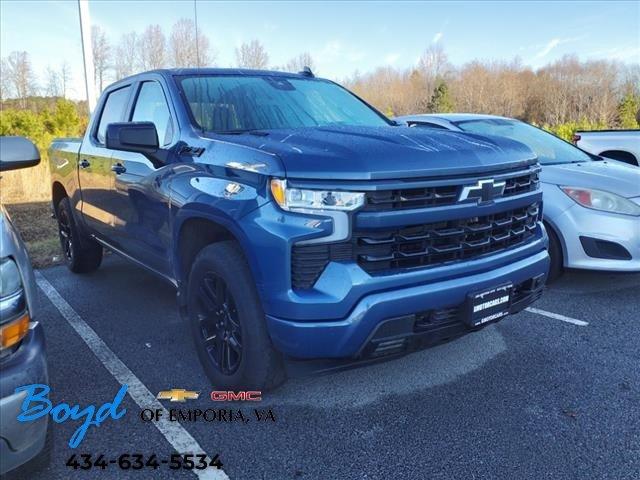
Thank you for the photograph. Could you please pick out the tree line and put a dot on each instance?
(562, 96)
(133, 52)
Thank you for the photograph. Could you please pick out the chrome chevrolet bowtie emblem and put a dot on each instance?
(483, 191)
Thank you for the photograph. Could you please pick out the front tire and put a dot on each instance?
(227, 321)
(81, 254)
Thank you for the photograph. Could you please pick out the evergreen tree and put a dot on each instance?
(441, 101)
(629, 111)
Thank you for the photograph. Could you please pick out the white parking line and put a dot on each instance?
(557, 316)
(175, 434)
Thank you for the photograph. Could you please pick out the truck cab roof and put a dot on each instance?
(175, 72)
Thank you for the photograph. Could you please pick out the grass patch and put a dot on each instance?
(38, 230)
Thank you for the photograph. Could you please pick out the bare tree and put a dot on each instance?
(5, 84)
(151, 48)
(434, 62)
(53, 87)
(187, 50)
(386, 88)
(126, 60)
(252, 55)
(65, 78)
(20, 76)
(101, 55)
(296, 64)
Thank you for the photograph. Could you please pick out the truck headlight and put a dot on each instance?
(10, 279)
(601, 200)
(301, 199)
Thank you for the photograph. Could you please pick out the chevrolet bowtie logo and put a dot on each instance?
(484, 191)
(177, 395)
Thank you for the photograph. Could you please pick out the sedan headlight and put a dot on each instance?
(301, 199)
(601, 200)
(14, 319)
(10, 280)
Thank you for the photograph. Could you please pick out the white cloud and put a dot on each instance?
(553, 43)
(391, 58)
(437, 37)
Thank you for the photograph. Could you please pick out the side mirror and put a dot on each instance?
(17, 152)
(140, 137)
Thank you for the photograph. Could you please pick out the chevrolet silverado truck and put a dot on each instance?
(295, 221)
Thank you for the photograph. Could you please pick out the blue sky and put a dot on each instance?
(342, 36)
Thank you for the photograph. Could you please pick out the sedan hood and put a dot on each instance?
(369, 153)
(608, 175)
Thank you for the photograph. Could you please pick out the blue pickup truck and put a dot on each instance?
(297, 222)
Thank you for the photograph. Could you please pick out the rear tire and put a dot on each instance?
(555, 253)
(81, 253)
(227, 322)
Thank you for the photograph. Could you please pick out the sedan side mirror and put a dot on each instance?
(17, 152)
(138, 137)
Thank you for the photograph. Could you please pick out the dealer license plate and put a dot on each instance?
(488, 305)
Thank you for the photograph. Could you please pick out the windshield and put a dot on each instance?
(234, 104)
(549, 148)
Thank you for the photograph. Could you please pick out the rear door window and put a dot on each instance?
(113, 111)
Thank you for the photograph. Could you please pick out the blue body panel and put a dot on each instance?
(143, 212)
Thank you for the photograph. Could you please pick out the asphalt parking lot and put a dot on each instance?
(531, 397)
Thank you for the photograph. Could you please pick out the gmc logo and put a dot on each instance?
(229, 396)
(483, 191)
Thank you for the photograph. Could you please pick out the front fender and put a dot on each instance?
(198, 194)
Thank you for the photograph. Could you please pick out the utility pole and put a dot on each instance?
(87, 53)
(195, 16)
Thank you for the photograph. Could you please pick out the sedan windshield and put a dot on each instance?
(549, 148)
(236, 104)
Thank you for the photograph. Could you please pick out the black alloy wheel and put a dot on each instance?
(227, 322)
(82, 254)
(64, 232)
(220, 328)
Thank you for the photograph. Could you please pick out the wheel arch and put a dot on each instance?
(58, 192)
(621, 156)
(553, 229)
(195, 230)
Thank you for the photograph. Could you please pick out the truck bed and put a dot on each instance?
(63, 156)
(622, 145)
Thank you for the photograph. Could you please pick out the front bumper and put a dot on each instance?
(20, 442)
(355, 335)
(623, 230)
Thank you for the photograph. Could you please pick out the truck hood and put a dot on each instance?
(608, 175)
(370, 153)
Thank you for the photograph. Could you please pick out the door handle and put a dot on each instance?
(118, 168)
(85, 163)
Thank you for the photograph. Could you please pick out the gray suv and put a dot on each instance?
(22, 351)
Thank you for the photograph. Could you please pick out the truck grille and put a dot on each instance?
(418, 246)
(400, 199)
